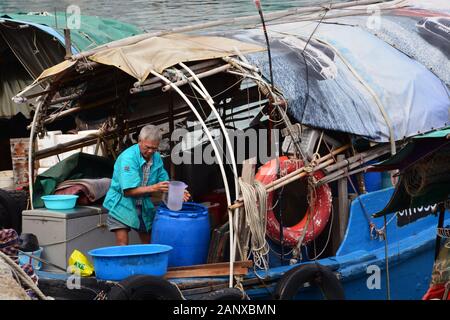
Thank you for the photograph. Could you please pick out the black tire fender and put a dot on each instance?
(225, 294)
(144, 287)
(313, 273)
(12, 211)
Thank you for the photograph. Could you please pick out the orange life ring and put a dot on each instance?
(322, 205)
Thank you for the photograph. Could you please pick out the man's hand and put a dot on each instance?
(186, 196)
(161, 186)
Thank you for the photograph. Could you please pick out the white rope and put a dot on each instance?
(205, 94)
(23, 276)
(255, 207)
(220, 162)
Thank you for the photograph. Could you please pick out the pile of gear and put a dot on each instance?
(17, 282)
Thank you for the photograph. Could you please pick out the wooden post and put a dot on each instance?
(343, 202)
(440, 225)
(68, 44)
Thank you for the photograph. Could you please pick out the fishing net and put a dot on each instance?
(430, 170)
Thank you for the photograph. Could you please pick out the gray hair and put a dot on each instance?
(150, 132)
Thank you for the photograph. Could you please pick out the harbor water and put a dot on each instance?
(156, 15)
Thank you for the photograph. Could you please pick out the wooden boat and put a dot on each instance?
(363, 251)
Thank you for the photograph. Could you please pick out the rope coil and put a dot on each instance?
(255, 208)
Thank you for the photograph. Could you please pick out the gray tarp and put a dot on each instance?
(354, 70)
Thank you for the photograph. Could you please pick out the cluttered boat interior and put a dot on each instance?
(277, 131)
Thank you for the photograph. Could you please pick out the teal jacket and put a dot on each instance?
(128, 174)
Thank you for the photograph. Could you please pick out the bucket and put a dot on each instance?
(24, 259)
(119, 262)
(176, 195)
(187, 231)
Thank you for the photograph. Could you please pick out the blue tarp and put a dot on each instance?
(356, 68)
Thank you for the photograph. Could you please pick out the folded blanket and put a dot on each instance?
(88, 190)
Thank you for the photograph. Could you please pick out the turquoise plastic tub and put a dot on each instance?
(119, 262)
(60, 201)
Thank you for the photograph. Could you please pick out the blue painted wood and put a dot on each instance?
(410, 255)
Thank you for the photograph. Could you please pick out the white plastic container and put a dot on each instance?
(176, 195)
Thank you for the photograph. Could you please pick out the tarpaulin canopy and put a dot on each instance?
(365, 74)
(36, 41)
(159, 53)
(92, 32)
(418, 156)
(419, 147)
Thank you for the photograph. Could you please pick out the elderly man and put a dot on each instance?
(138, 172)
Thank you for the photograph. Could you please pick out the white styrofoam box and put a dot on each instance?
(42, 170)
(47, 142)
(56, 137)
(7, 179)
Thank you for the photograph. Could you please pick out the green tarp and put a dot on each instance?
(419, 152)
(41, 46)
(77, 166)
(93, 31)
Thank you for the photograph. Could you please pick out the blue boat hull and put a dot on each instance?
(360, 261)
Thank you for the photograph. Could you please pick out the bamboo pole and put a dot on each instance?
(362, 157)
(196, 68)
(110, 90)
(66, 113)
(300, 170)
(165, 88)
(92, 138)
(65, 99)
(337, 174)
(357, 11)
(297, 174)
(231, 21)
(326, 166)
(32, 141)
(199, 76)
(242, 64)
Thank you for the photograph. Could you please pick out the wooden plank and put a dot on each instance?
(205, 273)
(208, 270)
(343, 202)
(243, 264)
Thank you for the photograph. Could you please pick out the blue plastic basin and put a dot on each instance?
(119, 262)
(60, 201)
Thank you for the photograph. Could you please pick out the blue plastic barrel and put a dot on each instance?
(186, 230)
(372, 181)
